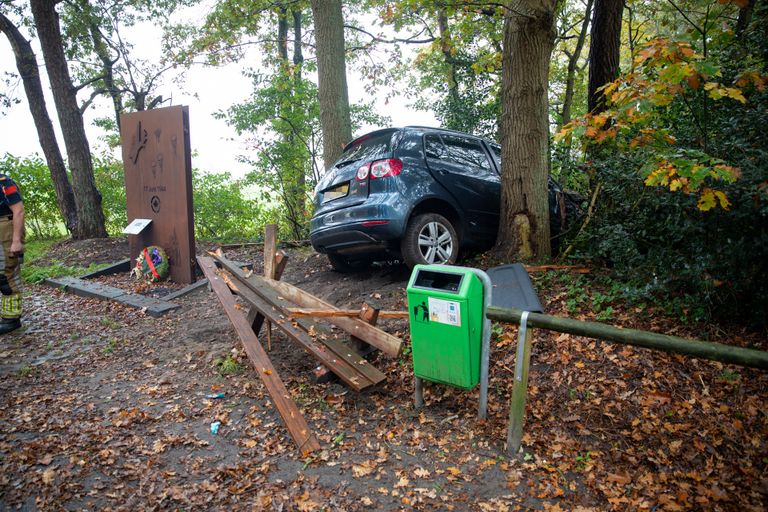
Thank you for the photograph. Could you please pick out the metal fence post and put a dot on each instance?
(520, 386)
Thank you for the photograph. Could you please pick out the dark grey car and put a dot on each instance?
(417, 194)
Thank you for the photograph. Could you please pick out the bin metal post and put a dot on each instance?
(418, 394)
(485, 352)
(520, 387)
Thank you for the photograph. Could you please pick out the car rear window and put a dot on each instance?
(369, 147)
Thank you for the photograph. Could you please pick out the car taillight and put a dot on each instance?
(362, 172)
(380, 169)
(384, 168)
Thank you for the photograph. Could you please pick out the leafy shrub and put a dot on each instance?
(704, 264)
(110, 180)
(41, 209)
(683, 171)
(43, 219)
(222, 211)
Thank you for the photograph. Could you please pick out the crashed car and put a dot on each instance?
(420, 195)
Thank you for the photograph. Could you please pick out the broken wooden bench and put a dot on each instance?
(263, 295)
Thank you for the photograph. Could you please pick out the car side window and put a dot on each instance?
(434, 147)
(467, 153)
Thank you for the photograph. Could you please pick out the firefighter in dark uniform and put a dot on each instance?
(11, 254)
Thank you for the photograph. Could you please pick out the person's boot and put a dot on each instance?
(9, 324)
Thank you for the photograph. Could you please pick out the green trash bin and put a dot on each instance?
(445, 306)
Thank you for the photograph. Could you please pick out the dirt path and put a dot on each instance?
(105, 407)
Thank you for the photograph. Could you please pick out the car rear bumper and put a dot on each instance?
(356, 238)
(365, 228)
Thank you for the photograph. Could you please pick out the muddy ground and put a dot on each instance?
(104, 407)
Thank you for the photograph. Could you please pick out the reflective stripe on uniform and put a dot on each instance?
(10, 306)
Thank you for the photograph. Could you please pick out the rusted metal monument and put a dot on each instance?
(158, 185)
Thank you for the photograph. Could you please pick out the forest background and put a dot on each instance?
(653, 112)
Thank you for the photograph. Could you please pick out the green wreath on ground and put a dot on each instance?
(152, 263)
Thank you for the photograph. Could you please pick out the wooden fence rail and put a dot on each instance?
(705, 350)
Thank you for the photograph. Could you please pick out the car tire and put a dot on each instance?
(430, 239)
(346, 265)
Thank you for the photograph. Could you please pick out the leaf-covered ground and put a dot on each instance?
(103, 407)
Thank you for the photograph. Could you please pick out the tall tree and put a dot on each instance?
(26, 63)
(331, 78)
(573, 65)
(529, 34)
(87, 198)
(604, 49)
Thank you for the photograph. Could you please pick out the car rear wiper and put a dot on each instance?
(346, 162)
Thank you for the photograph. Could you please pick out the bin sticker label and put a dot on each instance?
(444, 311)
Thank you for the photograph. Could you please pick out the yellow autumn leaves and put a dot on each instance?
(636, 118)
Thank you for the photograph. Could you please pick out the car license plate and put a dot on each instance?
(336, 192)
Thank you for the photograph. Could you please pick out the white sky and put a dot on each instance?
(205, 91)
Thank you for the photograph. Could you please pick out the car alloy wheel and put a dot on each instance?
(430, 239)
(435, 243)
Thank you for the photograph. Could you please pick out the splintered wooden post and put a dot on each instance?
(387, 343)
(270, 248)
(281, 260)
(256, 319)
(369, 314)
(520, 387)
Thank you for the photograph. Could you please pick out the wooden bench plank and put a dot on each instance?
(351, 374)
(352, 313)
(387, 343)
(289, 412)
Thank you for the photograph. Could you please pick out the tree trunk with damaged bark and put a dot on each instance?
(529, 32)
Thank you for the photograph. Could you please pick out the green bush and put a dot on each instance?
(222, 211)
(43, 219)
(110, 180)
(705, 264)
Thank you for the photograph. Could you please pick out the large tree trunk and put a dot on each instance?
(299, 193)
(331, 78)
(87, 197)
(282, 34)
(26, 62)
(604, 50)
(529, 32)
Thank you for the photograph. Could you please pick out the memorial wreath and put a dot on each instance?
(152, 263)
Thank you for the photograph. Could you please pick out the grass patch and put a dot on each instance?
(34, 249)
(32, 272)
(110, 347)
(228, 365)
